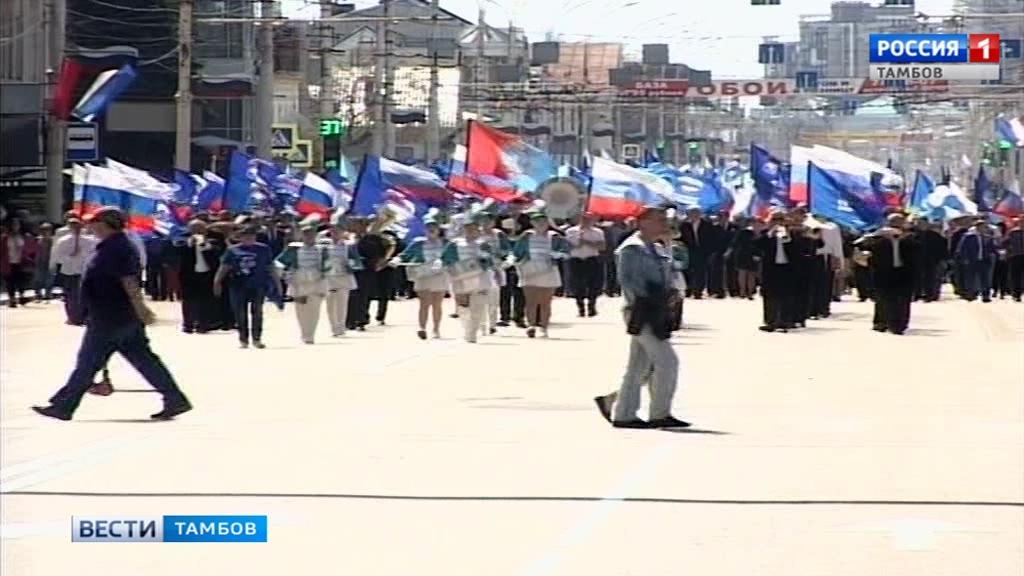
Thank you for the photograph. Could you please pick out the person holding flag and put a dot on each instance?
(422, 258)
(469, 262)
(305, 265)
(343, 263)
(536, 256)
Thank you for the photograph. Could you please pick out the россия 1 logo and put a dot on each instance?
(934, 56)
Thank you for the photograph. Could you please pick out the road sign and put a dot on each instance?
(1011, 48)
(301, 155)
(82, 142)
(807, 81)
(771, 53)
(282, 136)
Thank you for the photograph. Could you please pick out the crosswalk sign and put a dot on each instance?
(282, 136)
(301, 155)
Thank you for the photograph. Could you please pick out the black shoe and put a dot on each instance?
(520, 324)
(361, 328)
(169, 412)
(580, 313)
(766, 328)
(604, 405)
(592, 312)
(259, 344)
(493, 330)
(187, 330)
(421, 334)
(986, 300)
(669, 422)
(52, 412)
(631, 424)
(897, 332)
(453, 315)
(503, 324)
(879, 328)
(531, 332)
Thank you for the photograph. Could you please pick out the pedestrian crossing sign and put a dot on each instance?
(283, 136)
(301, 155)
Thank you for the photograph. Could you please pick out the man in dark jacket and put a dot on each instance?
(701, 239)
(892, 255)
(976, 254)
(934, 253)
(199, 257)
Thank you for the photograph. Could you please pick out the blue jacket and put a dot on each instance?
(967, 251)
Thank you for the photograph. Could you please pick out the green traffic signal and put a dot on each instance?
(332, 127)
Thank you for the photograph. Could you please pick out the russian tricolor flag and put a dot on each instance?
(316, 196)
(102, 186)
(1010, 205)
(620, 191)
(104, 90)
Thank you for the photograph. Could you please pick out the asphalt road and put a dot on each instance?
(834, 451)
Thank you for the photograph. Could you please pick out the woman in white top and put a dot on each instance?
(305, 266)
(468, 261)
(423, 260)
(535, 255)
(342, 263)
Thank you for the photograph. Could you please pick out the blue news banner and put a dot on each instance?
(168, 528)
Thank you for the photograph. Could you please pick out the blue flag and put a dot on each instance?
(104, 90)
(238, 185)
(923, 187)
(771, 181)
(848, 205)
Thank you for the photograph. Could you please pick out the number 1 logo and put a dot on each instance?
(983, 49)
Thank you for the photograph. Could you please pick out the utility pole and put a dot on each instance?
(55, 129)
(265, 86)
(389, 82)
(434, 109)
(183, 134)
(326, 108)
(379, 87)
(478, 72)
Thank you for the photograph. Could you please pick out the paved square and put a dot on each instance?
(833, 451)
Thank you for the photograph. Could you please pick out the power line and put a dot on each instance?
(13, 37)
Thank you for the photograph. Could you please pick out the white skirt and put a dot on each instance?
(478, 283)
(431, 283)
(549, 279)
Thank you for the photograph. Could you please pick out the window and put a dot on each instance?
(223, 118)
(219, 40)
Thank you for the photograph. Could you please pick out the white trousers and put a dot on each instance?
(647, 351)
(308, 315)
(492, 306)
(337, 310)
(473, 317)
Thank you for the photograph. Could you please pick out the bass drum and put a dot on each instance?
(563, 197)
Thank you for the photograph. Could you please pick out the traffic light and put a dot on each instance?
(331, 132)
(332, 127)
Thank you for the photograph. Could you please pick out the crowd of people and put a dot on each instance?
(503, 265)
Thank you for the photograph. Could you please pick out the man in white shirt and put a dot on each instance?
(71, 253)
(586, 275)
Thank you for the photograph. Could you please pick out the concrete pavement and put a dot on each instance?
(835, 450)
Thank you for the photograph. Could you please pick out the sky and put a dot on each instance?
(720, 35)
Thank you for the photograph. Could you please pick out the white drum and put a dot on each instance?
(465, 270)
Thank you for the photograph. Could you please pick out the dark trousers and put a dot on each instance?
(587, 280)
(821, 288)
(611, 278)
(71, 286)
(676, 314)
(892, 308)
(16, 281)
(511, 302)
(801, 290)
(1015, 271)
(155, 285)
(197, 302)
(716, 275)
(385, 291)
(696, 278)
(247, 302)
(777, 295)
(359, 300)
(862, 281)
(977, 279)
(929, 281)
(98, 344)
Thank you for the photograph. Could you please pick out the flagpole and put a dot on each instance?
(183, 125)
(55, 129)
(433, 122)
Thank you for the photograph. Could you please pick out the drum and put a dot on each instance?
(534, 267)
(465, 269)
